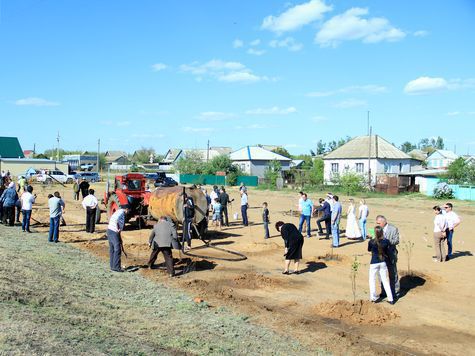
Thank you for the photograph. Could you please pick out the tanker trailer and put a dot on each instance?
(169, 202)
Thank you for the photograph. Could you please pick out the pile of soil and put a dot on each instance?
(363, 312)
(254, 280)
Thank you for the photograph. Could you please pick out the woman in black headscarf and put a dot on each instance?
(293, 244)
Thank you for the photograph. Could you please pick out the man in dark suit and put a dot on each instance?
(391, 233)
(223, 198)
(163, 238)
(326, 216)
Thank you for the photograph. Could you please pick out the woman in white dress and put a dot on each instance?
(352, 226)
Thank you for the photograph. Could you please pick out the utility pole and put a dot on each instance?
(368, 124)
(57, 148)
(98, 152)
(207, 153)
(369, 158)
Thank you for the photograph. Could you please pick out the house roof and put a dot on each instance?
(418, 154)
(172, 154)
(359, 148)
(113, 155)
(444, 153)
(255, 153)
(10, 148)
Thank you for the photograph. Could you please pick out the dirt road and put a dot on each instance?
(435, 316)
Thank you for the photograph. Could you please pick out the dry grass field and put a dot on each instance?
(434, 315)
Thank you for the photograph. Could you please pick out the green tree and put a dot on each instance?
(315, 173)
(462, 172)
(282, 151)
(351, 182)
(321, 147)
(191, 164)
(272, 172)
(407, 147)
(143, 155)
(221, 163)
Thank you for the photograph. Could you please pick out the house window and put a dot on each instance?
(387, 168)
(400, 167)
(334, 167)
(360, 167)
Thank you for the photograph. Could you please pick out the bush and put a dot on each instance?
(443, 191)
(351, 182)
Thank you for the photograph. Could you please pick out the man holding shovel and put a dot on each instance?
(116, 225)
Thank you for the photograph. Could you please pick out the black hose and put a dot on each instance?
(241, 257)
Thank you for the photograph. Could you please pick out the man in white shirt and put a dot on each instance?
(89, 203)
(27, 200)
(115, 227)
(56, 210)
(244, 206)
(453, 220)
(440, 227)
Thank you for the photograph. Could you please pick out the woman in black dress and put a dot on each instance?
(293, 244)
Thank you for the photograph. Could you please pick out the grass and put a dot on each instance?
(55, 299)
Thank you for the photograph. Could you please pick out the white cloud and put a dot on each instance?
(288, 43)
(222, 71)
(198, 129)
(157, 67)
(256, 42)
(123, 123)
(459, 113)
(215, 116)
(424, 85)
(237, 43)
(256, 52)
(350, 103)
(32, 101)
(365, 89)
(275, 110)
(296, 17)
(421, 33)
(351, 26)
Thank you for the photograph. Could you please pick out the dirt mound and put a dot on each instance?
(254, 280)
(363, 312)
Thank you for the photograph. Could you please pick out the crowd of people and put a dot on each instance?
(382, 242)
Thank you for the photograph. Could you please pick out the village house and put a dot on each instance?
(440, 159)
(364, 152)
(254, 160)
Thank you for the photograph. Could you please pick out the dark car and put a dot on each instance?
(88, 176)
(163, 181)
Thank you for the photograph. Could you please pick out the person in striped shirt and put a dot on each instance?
(115, 227)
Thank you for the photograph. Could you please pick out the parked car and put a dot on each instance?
(163, 181)
(54, 176)
(89, 176)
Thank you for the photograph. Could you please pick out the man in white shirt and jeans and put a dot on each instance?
(115, 227)
(453, 220)
(27, 200)
(89, 203)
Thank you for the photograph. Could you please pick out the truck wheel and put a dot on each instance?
(49, 181)
(69, 181)
(113, 205)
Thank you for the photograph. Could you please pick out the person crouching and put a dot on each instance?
(163, 238)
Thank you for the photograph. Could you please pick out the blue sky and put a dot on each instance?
(167, 74)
